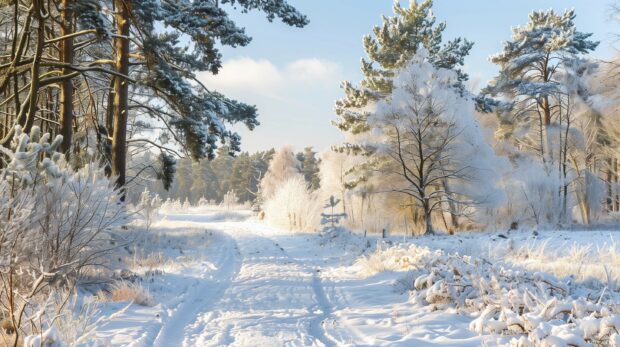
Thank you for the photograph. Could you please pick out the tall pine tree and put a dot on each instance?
(391, 46)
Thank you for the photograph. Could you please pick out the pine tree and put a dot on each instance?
(392, 45)
(310, 167)
(530, 68)
(183, 179)
(537, 108)
(332, 218)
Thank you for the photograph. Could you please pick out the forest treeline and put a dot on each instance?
(242, 174)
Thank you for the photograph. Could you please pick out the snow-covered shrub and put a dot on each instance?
(204, 202)
(54, 222)
(68, 321)
(396, 258)
(582, 262)
(172, 206)
(293, 206)
(127, 291)
(282, 167)
(230, 200)
(535, 307)
(48, 338)
(148, 207)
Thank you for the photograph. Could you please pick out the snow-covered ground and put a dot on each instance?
(222, 278)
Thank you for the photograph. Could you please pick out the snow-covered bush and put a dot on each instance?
(172, 206)
(54, 222)
(536, 308)
(230, 200)
(282, 167)
(67, 320)
(148, 207)
(294, 206)
(387, 258)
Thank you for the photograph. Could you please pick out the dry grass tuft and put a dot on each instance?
(127, 291)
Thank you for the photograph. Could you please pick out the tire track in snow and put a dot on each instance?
(322, 310)
(317, 326)
(208, 292)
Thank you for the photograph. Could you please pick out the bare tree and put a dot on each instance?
(428, 139)
(421, 149)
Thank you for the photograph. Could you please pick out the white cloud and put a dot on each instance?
(262, 77)
(313, 70)
(244, 73)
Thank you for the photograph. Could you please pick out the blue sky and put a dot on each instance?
(293, 75)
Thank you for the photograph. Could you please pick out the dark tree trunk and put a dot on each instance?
(27, 115)
(428, 220)
(66, 87)
(121, 94)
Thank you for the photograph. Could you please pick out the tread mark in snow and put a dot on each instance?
(210, 291)
(317, 326)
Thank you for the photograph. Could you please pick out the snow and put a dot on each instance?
(232, 280)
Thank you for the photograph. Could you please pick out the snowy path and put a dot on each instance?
(260, 287)
(275, 299)
(201, 296)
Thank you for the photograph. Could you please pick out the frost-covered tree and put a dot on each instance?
(293, 206)
(148, 207)
(391, 46)
(426, 134)
(282, 167)
(531, 64)
(230, 199)
(536, 107)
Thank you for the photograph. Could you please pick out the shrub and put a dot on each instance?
(54, 223)
(127, 291)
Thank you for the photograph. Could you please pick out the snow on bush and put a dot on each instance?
(294, 206)
(171, 206)
(49, 338)
(587, 264)
(68, 321)
(148, 207)
(54, 222)
(386, 258)
(534, 307)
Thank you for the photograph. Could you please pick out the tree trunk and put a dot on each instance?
(451, 205)
(66, 87)
(428, 216)
(27, 115)
(121, 94)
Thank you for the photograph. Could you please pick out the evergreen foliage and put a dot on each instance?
(391, 46)
(332, 218)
